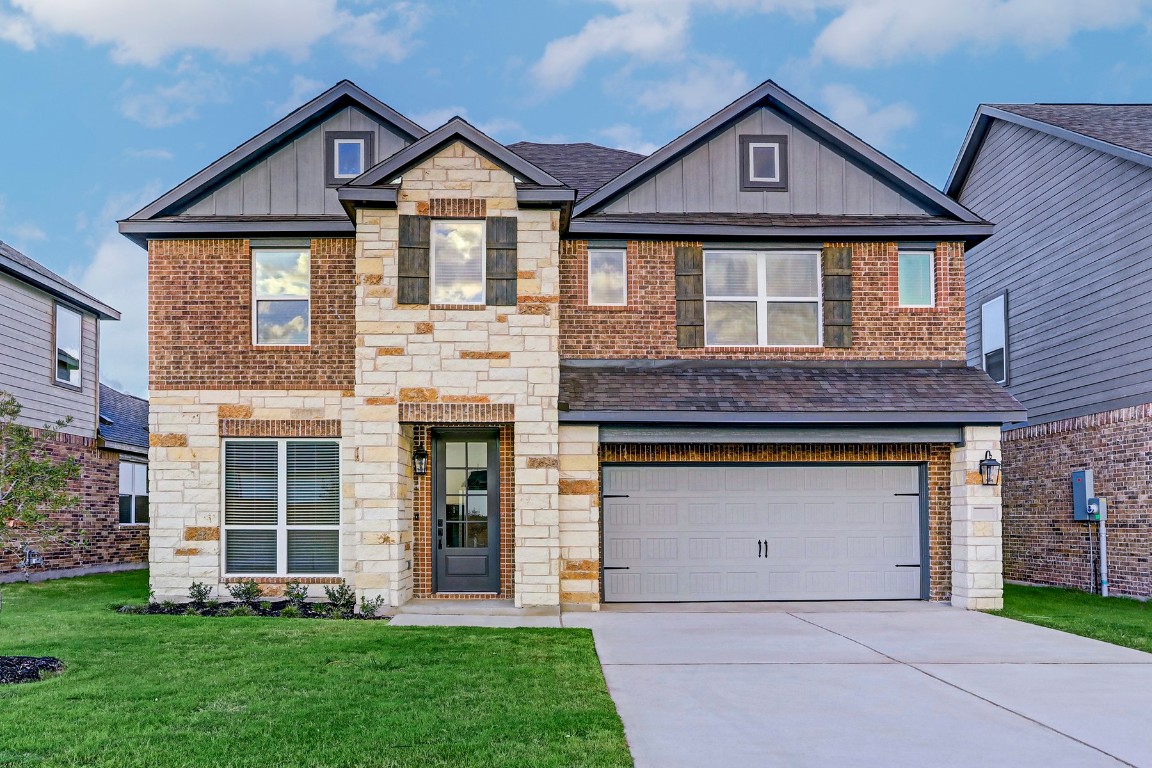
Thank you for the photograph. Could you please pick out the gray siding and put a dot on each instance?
(820, 179)
(26, 359)
(291, 180)
(1073, 230)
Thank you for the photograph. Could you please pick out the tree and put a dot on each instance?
(33, 489)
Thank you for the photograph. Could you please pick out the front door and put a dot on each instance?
(466, 511)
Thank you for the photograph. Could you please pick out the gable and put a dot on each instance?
(822, 179)
(291, 180)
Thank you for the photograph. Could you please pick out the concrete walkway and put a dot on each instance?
(893, 684)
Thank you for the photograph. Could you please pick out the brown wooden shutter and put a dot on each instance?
(837, 268)
(414, 246)
(689, 296)
(501, 261)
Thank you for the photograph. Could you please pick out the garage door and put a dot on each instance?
(676, 533)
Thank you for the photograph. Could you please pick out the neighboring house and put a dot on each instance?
(1058, 312)
(49, 349)
(441, 367)
(124, 430)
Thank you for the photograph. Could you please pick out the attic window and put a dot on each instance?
(347, 155)
(763, 163)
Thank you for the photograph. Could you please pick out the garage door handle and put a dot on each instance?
(908, 565)
(616, 496)
(905, 494)
(759, 544)
(617, 567)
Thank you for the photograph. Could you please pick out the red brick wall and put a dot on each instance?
(937, 457)
(646, 327)
(98, 514)
(200, 319)
(1042, 543)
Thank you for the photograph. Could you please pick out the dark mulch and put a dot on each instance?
(28, 669)
(265, 608)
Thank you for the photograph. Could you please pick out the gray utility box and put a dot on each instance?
(1082, 491)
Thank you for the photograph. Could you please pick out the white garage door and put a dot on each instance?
(676, 533)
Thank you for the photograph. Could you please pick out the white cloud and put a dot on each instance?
(147, 32)
(28, 232)
(697, 91)
(302, 91)
(863, 116)
(624, 136)
(494, 127)
(166, 105)
(149, 154)
(437, 116)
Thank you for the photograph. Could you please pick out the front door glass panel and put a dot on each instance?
(467, 535)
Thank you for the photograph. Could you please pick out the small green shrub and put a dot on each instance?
(290, 612)
(341, 598)
(190, 611)
(296, 593)
(133, 609)
(199, 593)
(241, 610)
(265, 605)
(168, 605)
(246, 592)
(369, 608)
(212, 605)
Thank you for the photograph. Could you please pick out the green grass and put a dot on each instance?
(1115, 620)
(192, 691)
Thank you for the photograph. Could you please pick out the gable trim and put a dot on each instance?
(822, 127)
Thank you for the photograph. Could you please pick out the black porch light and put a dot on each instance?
(420, 461)
(989, 469)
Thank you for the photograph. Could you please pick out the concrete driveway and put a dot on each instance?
(903, 684)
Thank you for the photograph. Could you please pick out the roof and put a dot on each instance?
(820, 126)
(1124, 130)
(26, 270)
(123, 418)
(759, 392)
(584, 167)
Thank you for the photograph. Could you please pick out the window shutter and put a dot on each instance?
(837, 269)
(501, 261)
(689, 296)
(415, 236)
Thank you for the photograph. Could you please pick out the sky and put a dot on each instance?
(107, 104)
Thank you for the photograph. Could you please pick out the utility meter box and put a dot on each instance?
(1082, 491)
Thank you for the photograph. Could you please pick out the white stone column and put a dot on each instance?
(977, 548)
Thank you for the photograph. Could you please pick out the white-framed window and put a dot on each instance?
(762, 298)
(607, 277)
(281, 507)
(69, 356)
(133, 492)
(457, 261)
(916, 275)
(763, 161)
(281, 290)
(994, 338)
(347, 158)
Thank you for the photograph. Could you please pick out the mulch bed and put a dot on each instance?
(28, 669)
(266, 608)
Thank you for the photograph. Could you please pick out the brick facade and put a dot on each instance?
(1042, 543)
(646, 327)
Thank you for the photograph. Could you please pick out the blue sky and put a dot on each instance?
(108, 104)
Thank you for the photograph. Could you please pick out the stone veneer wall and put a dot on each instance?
(1042, 543)
(579, 506)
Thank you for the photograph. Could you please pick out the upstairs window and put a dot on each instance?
(763, 163)
(69, 341)
(133, 493)
(994, 338)
(917, 279)
(347, 155)
(457, 261)
(607, 277)
(281, 292)
(762, 298)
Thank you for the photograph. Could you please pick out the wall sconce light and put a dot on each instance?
(989, 469)
(420, 461)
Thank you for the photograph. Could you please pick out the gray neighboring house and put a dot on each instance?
(1060, 312)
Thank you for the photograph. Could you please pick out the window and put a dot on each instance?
(457, 262)
(763, 163)
(280, 288)
(347, 155)
(917, 279)
(69, 355)
(994, 338)
(607, 278)
(765, 298)
(281, 507)
(133, 492)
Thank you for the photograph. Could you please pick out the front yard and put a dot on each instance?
(191, 691)
(1115, 620)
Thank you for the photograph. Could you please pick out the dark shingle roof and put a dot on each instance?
(123, 418)
(1125, 125)
(747, 388)
(584, 167)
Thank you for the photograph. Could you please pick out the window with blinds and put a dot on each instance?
(281, 507)
(762, 298)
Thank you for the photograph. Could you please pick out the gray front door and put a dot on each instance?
(466, 501)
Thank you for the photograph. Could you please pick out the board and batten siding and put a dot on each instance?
(820, 179)
(27, 352)
(1073, 234)
(291, 181)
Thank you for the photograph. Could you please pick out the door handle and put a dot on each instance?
(617, 567)
(759, 545)
(907, 565)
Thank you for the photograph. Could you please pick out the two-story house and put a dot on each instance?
(1057, 313)
(437, 366)
(49, 361)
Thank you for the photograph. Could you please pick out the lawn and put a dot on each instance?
(1112, 619)
(192, 691)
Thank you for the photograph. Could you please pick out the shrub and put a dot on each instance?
(241, 610)
(290, 612)
(246, 592)
(200, 593)
(296, 593)
(341, 598)
(368, 608)
(168, 605)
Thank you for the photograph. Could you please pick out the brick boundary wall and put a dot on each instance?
(98, 486)
(1042, 543)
